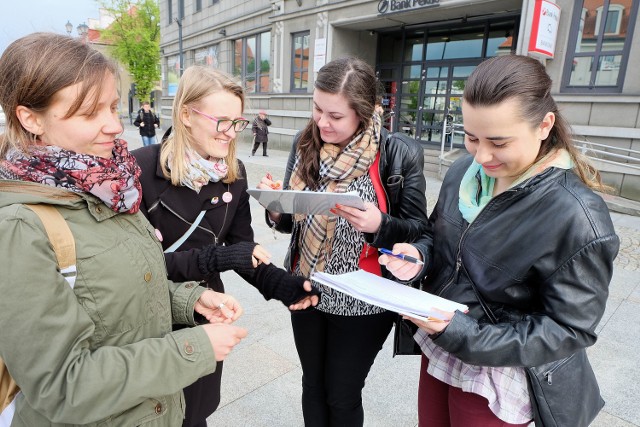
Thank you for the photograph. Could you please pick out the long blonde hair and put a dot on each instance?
(34, 68)
(196, 83)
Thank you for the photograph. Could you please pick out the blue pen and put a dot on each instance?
(401, 256)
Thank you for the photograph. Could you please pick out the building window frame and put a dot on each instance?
(241, 62)
(298, 62)
(599, 53)
(207, 56)
(197, 6)
(170, 11)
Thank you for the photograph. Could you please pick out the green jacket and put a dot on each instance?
(102, 353)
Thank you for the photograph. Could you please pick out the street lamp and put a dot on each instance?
(83, 30)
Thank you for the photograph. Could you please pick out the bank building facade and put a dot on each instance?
(423, 51)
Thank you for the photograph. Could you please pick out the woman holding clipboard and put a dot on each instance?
(520, 237)
(343, 148)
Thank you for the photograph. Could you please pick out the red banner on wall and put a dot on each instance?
(544, 28)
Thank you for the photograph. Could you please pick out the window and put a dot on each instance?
(198, 5)
(599, 46)
(170, 11)
(252, 61)
(207, 56)
(173, 74)
(300, 62)
(614, 19)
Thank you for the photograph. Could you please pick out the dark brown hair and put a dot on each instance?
(34, 68)
(525, 79)
(356, 81)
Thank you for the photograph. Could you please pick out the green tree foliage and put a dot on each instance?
(134, 36)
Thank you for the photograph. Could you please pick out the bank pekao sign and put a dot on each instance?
(393, 6)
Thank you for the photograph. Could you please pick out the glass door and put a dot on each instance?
(441, 94)
(388, 77)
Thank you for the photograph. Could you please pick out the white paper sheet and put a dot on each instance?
(304, 202)
(388, 294)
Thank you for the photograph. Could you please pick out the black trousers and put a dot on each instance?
(256, 144)
(202, 398)
(336, 354)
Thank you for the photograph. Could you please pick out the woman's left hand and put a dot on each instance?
(366, 221)
(217, 307)
(306, 302)
(260, 256)
(435, 325)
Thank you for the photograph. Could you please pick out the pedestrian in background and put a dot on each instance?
(343, 148)
(519, 236)
(195, 193)
(92, 345)
(148, 122)
(260, 132)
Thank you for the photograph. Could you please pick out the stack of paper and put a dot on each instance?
(388, 294)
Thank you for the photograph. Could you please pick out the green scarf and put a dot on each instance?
(476, 188)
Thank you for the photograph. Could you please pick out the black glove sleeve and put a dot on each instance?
(274, 282)
(237, 257)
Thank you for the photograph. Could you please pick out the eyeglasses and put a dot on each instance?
(223, 125)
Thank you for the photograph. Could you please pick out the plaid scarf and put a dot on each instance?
(338, 168)
(114, 181)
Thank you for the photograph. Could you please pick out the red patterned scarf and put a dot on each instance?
(115, 181)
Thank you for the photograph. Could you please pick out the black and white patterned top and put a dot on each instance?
(348, 244)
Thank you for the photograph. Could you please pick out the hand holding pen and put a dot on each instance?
(404, 257)
(404, 261)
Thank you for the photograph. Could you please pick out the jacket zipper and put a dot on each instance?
(548, 375)
(453, 276)
(383, 182)
(182, 219)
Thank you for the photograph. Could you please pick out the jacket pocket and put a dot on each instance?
(564, 392)
(394, 184)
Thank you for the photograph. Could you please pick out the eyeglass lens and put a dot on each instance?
(225, 124)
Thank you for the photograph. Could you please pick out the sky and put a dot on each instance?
(21, 17)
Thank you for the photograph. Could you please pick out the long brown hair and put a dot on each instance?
(525, 79)
(356, 81)
(196, 83)
(34, 68)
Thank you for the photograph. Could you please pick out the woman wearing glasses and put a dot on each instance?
(194, 194)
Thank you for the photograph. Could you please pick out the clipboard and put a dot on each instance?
(388, 294)
(304, 202)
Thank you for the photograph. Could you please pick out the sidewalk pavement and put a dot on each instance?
(261, 385)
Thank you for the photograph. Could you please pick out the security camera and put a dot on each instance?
(372, 33)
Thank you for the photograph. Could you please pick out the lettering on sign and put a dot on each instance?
(392, 6)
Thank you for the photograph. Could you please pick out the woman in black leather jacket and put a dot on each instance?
(342, 149)
(520, 237)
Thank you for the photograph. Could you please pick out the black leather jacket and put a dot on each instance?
(401, 173)
(540, 254)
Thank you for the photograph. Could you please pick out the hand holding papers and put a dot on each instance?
(304, 202)
(388, 294)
